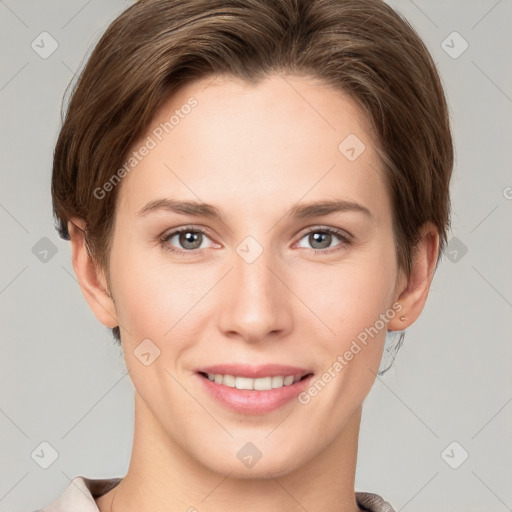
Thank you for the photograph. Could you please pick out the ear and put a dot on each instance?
(413, 292)
(90, 277)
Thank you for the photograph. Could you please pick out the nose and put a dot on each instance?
(255, 303)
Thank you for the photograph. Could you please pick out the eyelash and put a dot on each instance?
(345, 240)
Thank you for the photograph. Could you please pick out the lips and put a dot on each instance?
(255, 372)
(252, 401)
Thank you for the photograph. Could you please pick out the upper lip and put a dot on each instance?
(255, 372)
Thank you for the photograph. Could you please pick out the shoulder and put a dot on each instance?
(80, 495)
(372, 502)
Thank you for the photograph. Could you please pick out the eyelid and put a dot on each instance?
(185, 227)
(330, 229)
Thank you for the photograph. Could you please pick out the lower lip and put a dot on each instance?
(249, 401)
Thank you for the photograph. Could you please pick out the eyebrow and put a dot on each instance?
(299, 211)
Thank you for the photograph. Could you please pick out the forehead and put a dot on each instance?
(276, 142)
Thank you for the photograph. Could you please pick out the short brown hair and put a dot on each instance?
(362, 47)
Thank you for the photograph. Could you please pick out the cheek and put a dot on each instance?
(156, 300)
(355, 299)
(351, 297)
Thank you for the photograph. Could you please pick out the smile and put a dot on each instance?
(258, 396)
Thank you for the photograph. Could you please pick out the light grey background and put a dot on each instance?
(63, 380)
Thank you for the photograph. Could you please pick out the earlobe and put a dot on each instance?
(414, 294)
(90, 278)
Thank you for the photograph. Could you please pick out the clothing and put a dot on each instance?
(80, 494)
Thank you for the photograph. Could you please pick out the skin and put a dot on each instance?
(253, 152)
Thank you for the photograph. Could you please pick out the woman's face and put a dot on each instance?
(259, 284)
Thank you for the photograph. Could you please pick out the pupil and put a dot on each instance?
(190, 238)
(318, 237)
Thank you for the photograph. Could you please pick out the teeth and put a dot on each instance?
(260, 384)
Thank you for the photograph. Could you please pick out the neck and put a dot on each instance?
(162, 475)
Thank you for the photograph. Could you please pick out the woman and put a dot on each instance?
(256, 193)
